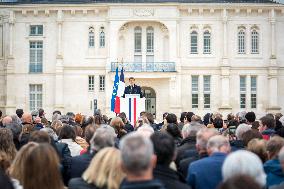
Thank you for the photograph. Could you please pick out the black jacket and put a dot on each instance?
(133, 90)
(151, 184)
(185, 145)
(170, 178)
(80, 163)
(79, 183)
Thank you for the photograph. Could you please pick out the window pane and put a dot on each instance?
(137, 39)
(91, 83)
(206, 42)
(194, 83)
(36, 30)
(150, 39)
(35, 97)
(254, 42)
(206, 83)
(102, 39)
(193, 42)
(194, 100)
(242, 83)
(102, 82)
(253, 100)
(241, 42)
(243, 101)
(206, 100)
(91, 39)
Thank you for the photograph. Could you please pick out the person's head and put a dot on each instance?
(164, 147)
(5, 161)
(51, 133)
(241, 129)
(244, 162)
(89, 133)
(78, 131)
(196, 118)
(258, 147)
(64, 119)
(19, 163)
(206, 119)
(137, 154)
(71, 115)
(6, 143)
(131, 81)
(241, 117)
(250, 117)
(249, 135)
(41, 113)
(1, 114)
(218, 122)
(57, 125)
(255, 125)
(173, 130)
(150, 117)
(104, 169)
(6, 120)
(27, 118)
(122, 115)
(117, 123)
(16, 130)
(165, 115)
(39, 137)
(145, 130)
(274, 145)
(281, 119)
(20, 113)
(188, 116)
(104, 137)
(55, 117)
(56, 112)
(266, 122)
(239, 182)
(39, 164)
(202, 137)
(37, 120)
(78, 118)
(182, 116)
(191, 129)
(171, 118)
(5, 181)
(218, 143)
(67, 132)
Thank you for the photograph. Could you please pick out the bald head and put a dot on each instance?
(27, 118)
(6, 120)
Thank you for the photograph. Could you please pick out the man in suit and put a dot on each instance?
(132, 88)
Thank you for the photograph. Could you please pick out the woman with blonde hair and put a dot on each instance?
(104, 172)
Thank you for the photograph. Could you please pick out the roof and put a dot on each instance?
(134, 1)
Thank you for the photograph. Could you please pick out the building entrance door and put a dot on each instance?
(150, 104)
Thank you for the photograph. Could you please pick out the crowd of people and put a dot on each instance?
(96, 152)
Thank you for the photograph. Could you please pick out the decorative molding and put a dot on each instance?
(35, 12)
(143, 12)
(46, 12)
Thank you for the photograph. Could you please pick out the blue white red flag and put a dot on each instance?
(114, 89)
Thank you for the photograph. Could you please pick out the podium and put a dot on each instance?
(132, 105)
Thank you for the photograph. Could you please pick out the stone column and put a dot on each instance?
(273, 44)
(59, 80)
(273, 105)
(11, 33)
(225, 69)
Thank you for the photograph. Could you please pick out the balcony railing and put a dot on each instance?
(35, 68)
(144, 66)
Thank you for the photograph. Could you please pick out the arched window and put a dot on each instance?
(206, 42)
(91, 37)
(137, 39)
(254, 42)
(241, 42)
(150, 39)
(102, 38)
(193, 42)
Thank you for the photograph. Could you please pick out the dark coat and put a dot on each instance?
(151, 184)
(185, 145)
(280, 186)
(80, 163)
(274, 172)
(237, 145)
(170, 178)
(133, 90)
(207, 172)
(184, 164)
(79, 183)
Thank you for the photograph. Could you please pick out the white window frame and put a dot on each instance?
(37, 26)
(253, 91)
(242, 41)
(194, 90)
(36, 56)
(91, 83)
(207, 42)
(137, 39)
(102, 38)
(35, 96)
(150, 39)
(254, 41)
(243, 91)
(207, 90)
(102, 83)
(91, 37)
(193, 33)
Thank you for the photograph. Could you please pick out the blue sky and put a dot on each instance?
(281, 1)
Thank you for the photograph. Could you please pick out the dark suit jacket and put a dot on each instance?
(134, 90)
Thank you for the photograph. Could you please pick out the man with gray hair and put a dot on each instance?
(239, 143)
(206, 173)
(138, 161)
(202, 138)
(187, 145)
(103, 137)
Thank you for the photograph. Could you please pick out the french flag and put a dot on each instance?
(120, 92)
